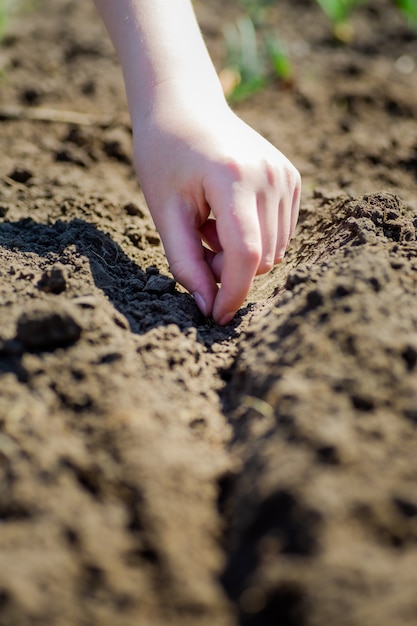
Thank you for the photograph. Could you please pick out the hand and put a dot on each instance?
(208, 178)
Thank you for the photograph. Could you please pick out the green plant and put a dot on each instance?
(253, 55)
(279, 58)
(256, 9)
(338, 11)
(243, 74)
(409, 10)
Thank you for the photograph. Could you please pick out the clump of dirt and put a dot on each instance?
(156, 468)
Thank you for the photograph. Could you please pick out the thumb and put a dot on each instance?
(187, 260)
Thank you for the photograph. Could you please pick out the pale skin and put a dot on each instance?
(224, 200)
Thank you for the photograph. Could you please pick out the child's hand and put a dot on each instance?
(196, 160)
(208, 177)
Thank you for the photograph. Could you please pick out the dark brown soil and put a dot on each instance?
(158, 469)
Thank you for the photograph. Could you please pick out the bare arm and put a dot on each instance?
(207, 176)
(157, 41)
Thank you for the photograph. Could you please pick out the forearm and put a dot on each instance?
(158, 42)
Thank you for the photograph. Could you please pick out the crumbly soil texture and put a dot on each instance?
(158, 469)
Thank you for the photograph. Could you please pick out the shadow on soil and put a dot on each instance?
(146, 298)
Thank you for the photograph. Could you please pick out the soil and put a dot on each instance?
(158, 469)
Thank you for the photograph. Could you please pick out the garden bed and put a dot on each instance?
(156, 468)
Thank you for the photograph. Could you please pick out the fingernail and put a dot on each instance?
(226, 319)
(201, 303)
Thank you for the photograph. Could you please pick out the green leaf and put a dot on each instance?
(338, 10)
(246, 89)
(409, 9)
(242, 49)
(279, 58)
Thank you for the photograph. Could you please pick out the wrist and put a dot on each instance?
(176, 100)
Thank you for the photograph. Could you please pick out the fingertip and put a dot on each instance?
(188, 264)
(226, 319)
(202, 304)
(224, 308)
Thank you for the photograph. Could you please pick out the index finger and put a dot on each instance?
(240, 237)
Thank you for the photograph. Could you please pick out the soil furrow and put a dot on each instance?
(156, 468)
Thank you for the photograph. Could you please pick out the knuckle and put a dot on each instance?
(265, 265)
(251, 254)
(233, 169)
(297, 178)
(179, 270)
(279, 257)
(271, 175)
